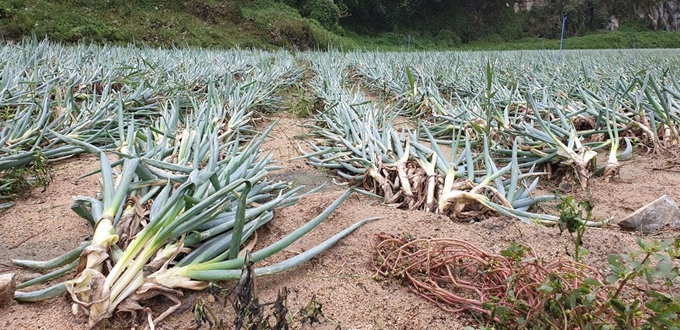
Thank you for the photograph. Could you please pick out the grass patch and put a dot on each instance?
(602, 40)
(262, 24)
(445, 40)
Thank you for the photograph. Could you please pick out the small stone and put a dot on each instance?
(7, 288)
(565, 186)
(653, 216)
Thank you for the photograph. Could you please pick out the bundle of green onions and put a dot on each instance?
(359, 141)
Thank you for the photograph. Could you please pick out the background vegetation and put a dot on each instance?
(316, 24)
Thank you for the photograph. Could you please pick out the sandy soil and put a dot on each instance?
(42, 226)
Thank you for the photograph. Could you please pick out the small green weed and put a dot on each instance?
(18, 180)
(300, 102)
(571, 213)
(618, 301)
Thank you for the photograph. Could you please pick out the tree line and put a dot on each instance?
(464, 21)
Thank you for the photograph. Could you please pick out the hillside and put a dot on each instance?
(348, 24)
(201, 23)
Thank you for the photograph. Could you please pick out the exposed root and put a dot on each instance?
(404, 185)
(458, 276)
(611, 171)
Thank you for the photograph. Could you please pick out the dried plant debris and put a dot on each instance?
(245, 302)
(250, 313)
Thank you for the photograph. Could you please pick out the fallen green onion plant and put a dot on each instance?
(187, 197)
(363, 146)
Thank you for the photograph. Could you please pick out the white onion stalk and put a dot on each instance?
(612, 168)
(87, 288)
(576, 154)
(127, 276)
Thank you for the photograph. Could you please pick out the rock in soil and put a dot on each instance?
(7, 288)
(653, 216)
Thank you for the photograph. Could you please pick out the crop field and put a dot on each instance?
(161, 183)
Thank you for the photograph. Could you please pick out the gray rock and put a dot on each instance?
(613, 23)
(653, 216)
(7, 287)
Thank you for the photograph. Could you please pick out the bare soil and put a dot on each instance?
(42, 226)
